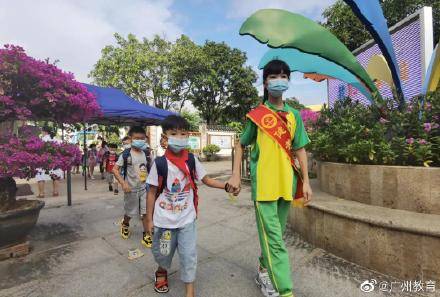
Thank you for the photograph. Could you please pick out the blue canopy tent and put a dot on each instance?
(118, 109)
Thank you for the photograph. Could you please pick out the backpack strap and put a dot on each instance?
(191, 162)
(125, 155)
(147, 153)
(162, 173)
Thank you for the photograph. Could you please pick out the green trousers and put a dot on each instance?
(271, 223)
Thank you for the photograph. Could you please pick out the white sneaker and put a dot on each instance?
(263, 281)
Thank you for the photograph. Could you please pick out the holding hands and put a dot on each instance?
(233, 185)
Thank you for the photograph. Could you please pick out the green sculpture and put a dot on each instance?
(283, 29)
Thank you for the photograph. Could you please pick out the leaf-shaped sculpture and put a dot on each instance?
(281, 28)
(432, 78)
(371, 15)
(377, 68)
(309, 63)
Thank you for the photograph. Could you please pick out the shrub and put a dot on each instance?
(211, 149)
(379, 133)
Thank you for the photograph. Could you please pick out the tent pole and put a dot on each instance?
(85, 158)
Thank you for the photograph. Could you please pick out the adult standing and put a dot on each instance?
(103, 149)
(46, 175)
(92, 156)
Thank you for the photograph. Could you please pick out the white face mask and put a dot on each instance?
(127, 146)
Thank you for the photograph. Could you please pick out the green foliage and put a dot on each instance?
(223, 90)
(193, 118)
(237, 126)
(379, 134)
(213, 77)
(293, 102)
(342, 22)
(114, 138)
(211, 149)
(156, 71)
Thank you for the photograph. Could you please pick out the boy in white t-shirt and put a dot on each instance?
(172, 205)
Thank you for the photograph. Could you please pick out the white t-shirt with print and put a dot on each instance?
(174, 208)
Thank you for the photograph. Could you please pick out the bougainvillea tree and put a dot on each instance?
(38, 90)
(309, 118)
(21, 156)
(31, 89)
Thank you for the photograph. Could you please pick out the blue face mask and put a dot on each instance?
(138, 143)
(276, 87)
(177, 144)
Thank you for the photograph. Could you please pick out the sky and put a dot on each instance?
(74, 31)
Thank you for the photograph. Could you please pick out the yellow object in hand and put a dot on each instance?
(232, 198)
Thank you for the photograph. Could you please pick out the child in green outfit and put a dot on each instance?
(274, 129)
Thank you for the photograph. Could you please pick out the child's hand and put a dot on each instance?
(150, 227)
(126, 187)
(233, 185)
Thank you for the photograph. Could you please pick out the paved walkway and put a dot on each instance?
(77, 251)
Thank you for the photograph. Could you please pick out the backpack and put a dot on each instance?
(162, 173)
(106, 156)
(126, 154)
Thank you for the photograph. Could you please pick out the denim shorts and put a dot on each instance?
(165, 242)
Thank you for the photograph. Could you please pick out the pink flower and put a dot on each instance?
(410, 140)
(46, 92)
(422, 141)
(427, 127)
(20, 157)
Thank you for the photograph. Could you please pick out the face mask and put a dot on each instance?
(138, 143)
(127, 146)
(177, 144)
(276, 87)
(145, 146)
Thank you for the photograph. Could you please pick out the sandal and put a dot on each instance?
(40, 196)
(161, 286)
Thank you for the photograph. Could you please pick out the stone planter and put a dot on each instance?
(15, 225)
(399, 243)
(388, 218)
(399, 187)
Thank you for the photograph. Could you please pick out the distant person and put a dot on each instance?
(131, 171)
(172, 205)
(46, 175)
(161, 148)
(109, 160)
(92, 159)
(126, 142)
(102, 150)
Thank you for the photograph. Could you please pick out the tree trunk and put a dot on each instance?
(8, 189)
